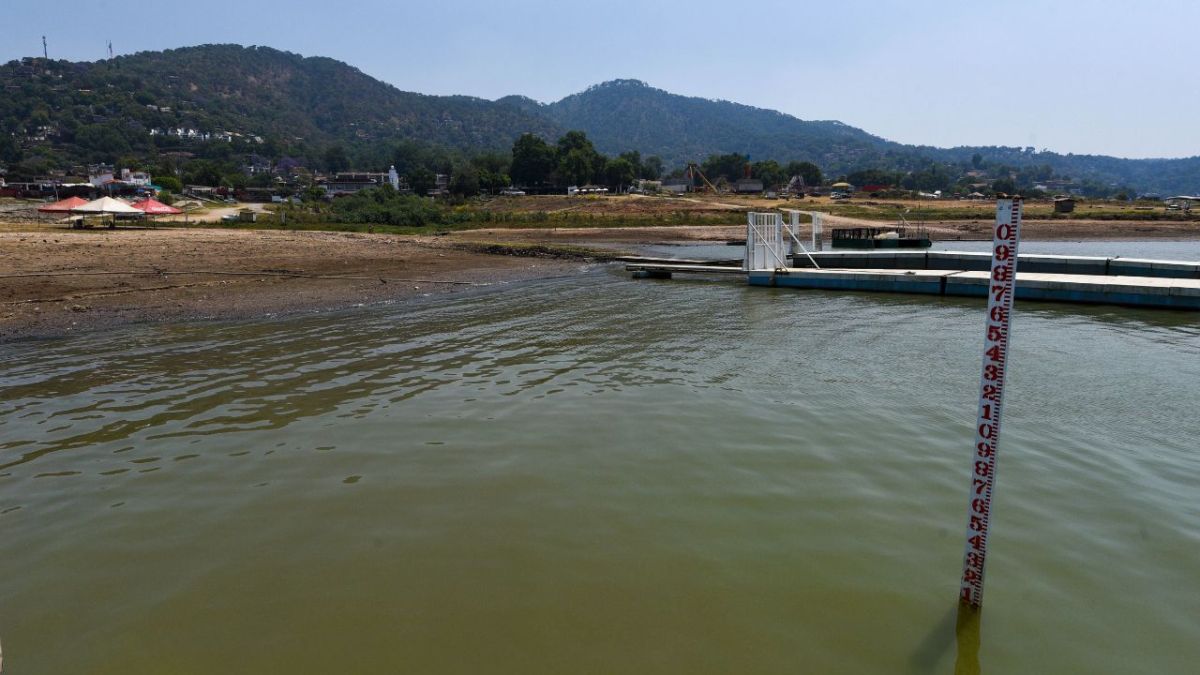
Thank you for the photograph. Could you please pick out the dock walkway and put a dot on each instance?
(1165, 292)
(975, 262)
(1159, 292)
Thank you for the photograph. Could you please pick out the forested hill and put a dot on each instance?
(625, 114)
(98, 111)
(229, 100)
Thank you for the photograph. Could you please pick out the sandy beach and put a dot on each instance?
(54, 282)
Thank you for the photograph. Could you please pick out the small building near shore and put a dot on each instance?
(1181, 203)
(1064, 204)
(748, 186)
(677, 185)
(644, 186)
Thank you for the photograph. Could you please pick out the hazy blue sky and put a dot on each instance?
(1119, 78)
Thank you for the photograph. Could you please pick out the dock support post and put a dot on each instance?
(794, 243)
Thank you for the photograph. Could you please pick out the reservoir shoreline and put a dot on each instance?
(61, 282)
(58, 282)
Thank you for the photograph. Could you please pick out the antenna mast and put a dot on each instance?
(110, 49)
(45, 52)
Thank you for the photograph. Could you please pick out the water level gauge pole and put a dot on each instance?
(1002, 285)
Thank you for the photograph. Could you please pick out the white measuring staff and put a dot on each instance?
(1002, 286)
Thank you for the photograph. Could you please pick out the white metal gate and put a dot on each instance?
(765, 249)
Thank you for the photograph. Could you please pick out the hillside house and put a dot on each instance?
(257, 164)
(137, 178)
(99, 174)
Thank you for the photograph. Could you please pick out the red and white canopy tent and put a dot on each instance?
(153, 207)
(62, 206)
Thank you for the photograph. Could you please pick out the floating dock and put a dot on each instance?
(1138, 291)
(775, 256)
(1134, 291)
(975, 262)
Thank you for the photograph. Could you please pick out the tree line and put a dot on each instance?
(573, 160)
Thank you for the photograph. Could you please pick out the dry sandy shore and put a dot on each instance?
(55, 282)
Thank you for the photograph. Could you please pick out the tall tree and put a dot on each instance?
(652, 168)
(465, 180)
(873, 177)
(532, 160)
(809, 171)
(575, 140)
(421, 180)
(619, 173)
(336, 159)
(578, 161)
(576, 167)
(635, 160)
(769, 172)
(730, 166)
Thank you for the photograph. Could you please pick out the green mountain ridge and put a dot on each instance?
(276, 103)
(623, 114)
(298, 104)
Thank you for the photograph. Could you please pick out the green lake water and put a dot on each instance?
(599, 475)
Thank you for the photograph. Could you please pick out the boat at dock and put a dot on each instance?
(901, 235)
(881, 237)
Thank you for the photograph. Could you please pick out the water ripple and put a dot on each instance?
(780, 458)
